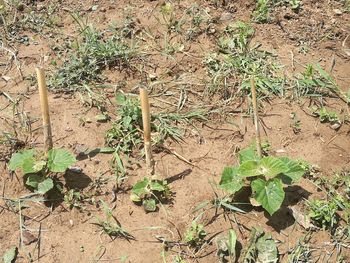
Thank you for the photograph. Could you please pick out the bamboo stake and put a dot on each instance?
(44, 104)
(146, 119)
(256, 118)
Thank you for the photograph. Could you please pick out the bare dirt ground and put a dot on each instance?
(171, 65)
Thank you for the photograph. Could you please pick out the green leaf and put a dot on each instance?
(149, 205)
(101, 118)
(269, 194)
(10, 255)
(232, 239)
(135, 198)
(267, 250)
(248, 154)
(230, 181)
(232, 207)
(106, 150)
(248, 169)
(157, 186)
(59, 160)
(45, 186)
(23, 159)
(271, 166)
(294, 172)
(38, 166)
(33, 180)
(140, 188)
(120, 99)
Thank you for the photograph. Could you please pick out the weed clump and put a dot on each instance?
(90, 55)
(238, 61)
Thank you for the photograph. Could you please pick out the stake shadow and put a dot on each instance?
(179, 176)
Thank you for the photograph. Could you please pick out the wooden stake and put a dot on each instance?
(146, 119)
(256, 118)
(44, 104)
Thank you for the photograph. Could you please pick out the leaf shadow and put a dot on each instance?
(283, 218)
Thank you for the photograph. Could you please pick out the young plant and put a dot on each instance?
(111, 226)
(150, 192)
(266, 177)
(226, 247)
(323, 213)
(326, 115)
(315, 82)
(261, 248)
(195, 235)
(40, 168)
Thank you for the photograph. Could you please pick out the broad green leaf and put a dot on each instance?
(38, 166)
(248, 154)
(23, 159)
(269, 194)
(232, 239)
(45, 186)
(140, 188)
(249, 168)
(59, 160)
(157, 186)
(33, 180)
(10, 255)
(230, 181)
(271, 166)
(267, 250)
(294, 172)
(149, 205)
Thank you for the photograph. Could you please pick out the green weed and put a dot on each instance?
(232, 69)
(111, 226)
(125, 134)
(315, 82)
(325, 115)
(195, 235)
(89, 54)
(265, 8)
(323, 213)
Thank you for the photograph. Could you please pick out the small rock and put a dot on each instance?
(40, 7)
(6, 78)
(20, 7)
(226, 16)
(68, 129)
(336, 125)
(28, 238)
(337, 12)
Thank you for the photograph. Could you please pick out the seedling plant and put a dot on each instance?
(150, 192)
(266, 176)
(40, 168)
